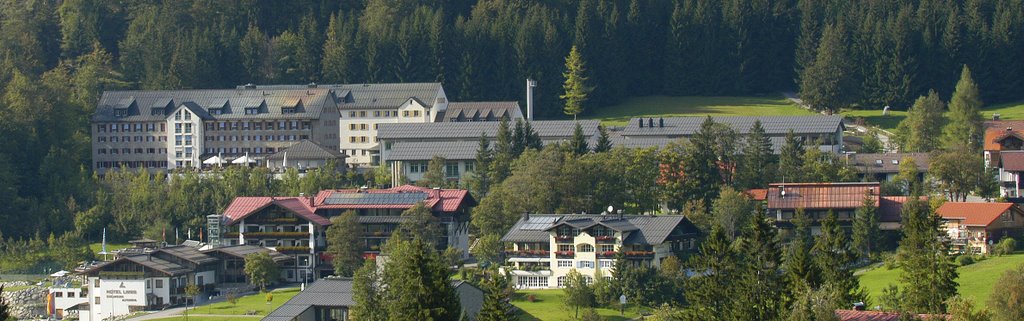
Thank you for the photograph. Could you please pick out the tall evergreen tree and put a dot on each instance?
(791, 158)
(578, 143)
(754, 168)
(827, 84)
(576, 88)
(479, 182)
(701, 164)
(420, 224)
(834, 260)
(531, 137)
(865, 237)
(496, 306)
(761, 284)
(501, 165)
(603, 143)
(710, 294)
(922, 129)
(518, 139)
(345, 243)
(368, 293)
(928, 273)
(800, 269)
(964, 125)
(416, 283)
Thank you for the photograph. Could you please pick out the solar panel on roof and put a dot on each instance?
(375, 198)
(538, 223)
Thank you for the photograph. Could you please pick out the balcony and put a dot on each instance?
(528, 253)
(565, 254)
(639, 254)
(275, 235)
(604, 239)
(292, 249)
(563, 238)
(606, 254)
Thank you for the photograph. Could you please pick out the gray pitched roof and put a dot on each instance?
(156, 105)
(645, 229)
(326, 292)
(482, 111)
(370, 96)
(546, 129)
(773, 125)
(450, 150)
(471, 298)
(307, 149)
(146, 260)
(187, 253)
(887, 162)
(243, 250)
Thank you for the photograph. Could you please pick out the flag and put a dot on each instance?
(103, 249)
(200, 234)
(175, 235)
(163, 235)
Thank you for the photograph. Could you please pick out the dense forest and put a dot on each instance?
(56, 57)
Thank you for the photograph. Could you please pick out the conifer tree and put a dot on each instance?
(532, 138)
(701, 165)
(761, 285)
(603, 143)
(710, 295)
(800, 269)
(578, 144)
(576, 88)
(435, 176)
(928, 273)
(827, 83)
(501, 164)
(368, 292)
(964, 125)
(922, 129)
(871, 143)
(345, 243)
(833, 259)
(754, 169)
(864, 239)
(417, 283)
(518, 139)
(496, 306)
(479, 182)
(791, 158)
(420, 223)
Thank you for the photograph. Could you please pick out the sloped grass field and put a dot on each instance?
(255, 302)
(977, 281)
(668, 106)
(548, 307)
(1010, 111)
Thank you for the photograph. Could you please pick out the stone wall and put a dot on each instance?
(27, 303)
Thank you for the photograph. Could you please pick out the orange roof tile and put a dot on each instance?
(854, 315)
(820, 195)
(996, 130)
(757, 194)
(974, 214)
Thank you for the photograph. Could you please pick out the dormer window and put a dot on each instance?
(288, 110)
(895, 162)
(120, 112)
(440, 100)
(252, 111)
(215, 111)
(157, 112)
(878, 162)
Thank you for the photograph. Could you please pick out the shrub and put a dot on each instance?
(232, 298)
(965, 260)
(1006, 246)
(890, 261)
(531, 298)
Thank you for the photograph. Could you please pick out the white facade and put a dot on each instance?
(115, 297)
(67, 297)
(413, 171)
(357, 128)
(185, 138)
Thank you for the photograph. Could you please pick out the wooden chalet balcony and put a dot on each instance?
(292, 249)
(270, 234)
(604, 239)
(639, 254)
(565, 254)
(528, 253)
(564, 238)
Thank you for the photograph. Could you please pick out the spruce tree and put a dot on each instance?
(479, 182)
(418, 223)
(578, 144)
(518, 139)
(754, 171)
(496, 306)
(416, 283)
(833, 259)
(761, 286)
(800, 269)
(501, 164)
(368, 293)
(532, 138)
(827, 83)
(710, 295)
(791, 158)
(700, 165)
(576, 89)
(345, 244)
(603, 143)
(864, 239)
(928, 273)
(965, 122)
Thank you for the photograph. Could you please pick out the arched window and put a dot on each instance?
(583, 247)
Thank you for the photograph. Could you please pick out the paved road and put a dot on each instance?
(883, 135)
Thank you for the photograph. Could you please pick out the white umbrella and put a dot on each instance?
(285, 162)
(213, 160)
(243, 160)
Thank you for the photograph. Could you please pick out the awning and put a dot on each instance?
(59, 274)
(243, 160)
(213, 160)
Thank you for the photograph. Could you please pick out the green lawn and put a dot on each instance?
(97, 247)
(977, 280)
(667, 106)
(256, 302)
(549, 307)
(875, 118)
(204, 318)
(16, 288)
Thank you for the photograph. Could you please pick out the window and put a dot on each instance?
(561, 281)
(101, 151)
(418, 167)
(362, 113)
(188, 116)
(470, 166)
(351, 126)
(376, 113)
(606, 247)
(188, 128)
(177, 140)
(565, 263)
(362, 126)
(287, 110)
(565, 248)
(159, 284)
(451, 169)
(606, 264)
(96, 301)
(532, 281)
(177, 128)
(101, 128)
(121, 112)
(59, 294)
(585, 264)
(252, 111)
(583, 247)
(405, 113)
(351, 114)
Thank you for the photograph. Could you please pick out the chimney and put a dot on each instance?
(620, 215)
(530, 84)
(859, 306)
(650, 122)
(995, 116)
(641, 123)
(526, 216)
(661, 122)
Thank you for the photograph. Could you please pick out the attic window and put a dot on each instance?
(878, 162)
(440, 100)
(120, 112)
(252, 111)
(895, 162)
(157, 112)
(288, 110)
(215, 111)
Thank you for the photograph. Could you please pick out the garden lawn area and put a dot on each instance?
(208, 318)
(977, 280)
(256, 302)
(548, 307)
(16, 288)
(1010, 111)
(668, 106)
(97, 247)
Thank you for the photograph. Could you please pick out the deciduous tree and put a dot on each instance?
(261, 270)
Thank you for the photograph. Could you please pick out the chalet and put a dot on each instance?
(817, 199)
(543, 248)
(975, 227)
(861, 315)
(885, 167)
(1003, 147)
(286, 224)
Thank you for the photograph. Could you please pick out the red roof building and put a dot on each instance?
(817, 199)
(974, 227)
(857, 315)
(297, 225)
(1003, 144)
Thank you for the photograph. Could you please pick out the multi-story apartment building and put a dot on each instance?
(162, 130)
(296, 225)
(817, 200)
(544, 248)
